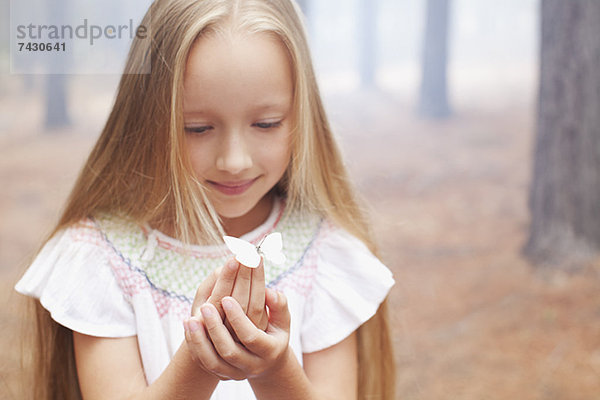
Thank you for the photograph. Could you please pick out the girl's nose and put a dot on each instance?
(234, 156)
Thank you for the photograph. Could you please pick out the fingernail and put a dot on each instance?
(207, 311)
(227, 303)
(193, 325)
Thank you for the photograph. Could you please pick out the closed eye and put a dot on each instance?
(197, 129)
(267, 125)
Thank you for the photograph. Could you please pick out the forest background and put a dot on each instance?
(478, 311)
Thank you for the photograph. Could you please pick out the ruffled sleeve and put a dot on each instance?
(74, 281)
(350, 284)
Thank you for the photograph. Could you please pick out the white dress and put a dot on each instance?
(108, 277)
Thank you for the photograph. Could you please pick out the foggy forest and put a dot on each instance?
(471, 129)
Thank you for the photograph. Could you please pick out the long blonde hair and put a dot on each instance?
(138, 168)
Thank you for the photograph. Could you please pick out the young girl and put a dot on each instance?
(136, 295)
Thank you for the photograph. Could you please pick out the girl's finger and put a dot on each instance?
(256, 306)
(204, 352)
(203, 292)
(279, 313)
(241, 287)
(230, 351)
(224, 284)
(253, 339)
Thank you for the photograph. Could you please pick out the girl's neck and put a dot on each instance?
(232, 226)
(251, 220)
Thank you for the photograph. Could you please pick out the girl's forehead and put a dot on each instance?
(223, 70)
(220, 49)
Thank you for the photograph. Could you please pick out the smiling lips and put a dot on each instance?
(232, 188)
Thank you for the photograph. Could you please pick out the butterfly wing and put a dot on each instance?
(245, 252)
(272, 247)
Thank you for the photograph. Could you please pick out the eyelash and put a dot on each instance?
(260, 125)
(197, 129)
(267, 125)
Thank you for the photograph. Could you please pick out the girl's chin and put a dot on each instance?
(233, 213)
(244, 216)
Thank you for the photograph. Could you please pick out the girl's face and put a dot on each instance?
(237, 109)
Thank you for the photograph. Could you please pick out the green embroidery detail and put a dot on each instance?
(175, 271)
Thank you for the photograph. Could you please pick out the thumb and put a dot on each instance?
(279, 314)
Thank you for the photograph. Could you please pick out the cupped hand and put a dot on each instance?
(246, 285)
(257, 352)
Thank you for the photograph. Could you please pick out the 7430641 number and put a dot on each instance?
(35, 46)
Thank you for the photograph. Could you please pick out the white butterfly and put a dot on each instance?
(249, 255)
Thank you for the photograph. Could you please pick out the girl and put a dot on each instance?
(136, 295)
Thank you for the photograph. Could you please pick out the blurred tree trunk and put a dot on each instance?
(306, 10)
(565, 192)
(433, 97)
(367, 39)
(56, 84)
(5, 21)
(56, 101)
(303, 5)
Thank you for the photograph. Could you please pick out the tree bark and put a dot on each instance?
(565, 192)
(433, 98)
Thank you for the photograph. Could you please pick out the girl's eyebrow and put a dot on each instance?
(194, 112)
(281, 105)
(276, 104)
